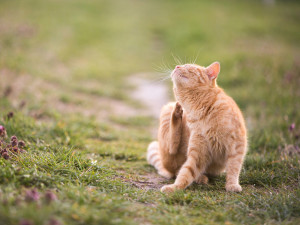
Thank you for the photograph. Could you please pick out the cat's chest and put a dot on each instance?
(195, 124)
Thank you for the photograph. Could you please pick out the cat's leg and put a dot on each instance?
(202, 179)
(195, 164)
(175, 128)
(169, 136)
(233, 168)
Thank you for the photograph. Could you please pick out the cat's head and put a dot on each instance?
(190, 75)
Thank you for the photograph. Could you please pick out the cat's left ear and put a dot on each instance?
(213, 70)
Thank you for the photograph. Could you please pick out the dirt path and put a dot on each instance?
(152, 94)
(54, 95)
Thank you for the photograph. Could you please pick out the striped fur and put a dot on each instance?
(153, 158)
(203, 133)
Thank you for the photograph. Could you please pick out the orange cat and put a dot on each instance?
(205, 138)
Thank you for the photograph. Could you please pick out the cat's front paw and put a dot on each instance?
(168, 188)
(233, 187)
(202, 179)
(178, 111)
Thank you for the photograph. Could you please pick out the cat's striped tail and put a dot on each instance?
(153, 158)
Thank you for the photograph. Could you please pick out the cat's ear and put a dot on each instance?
(213, 70)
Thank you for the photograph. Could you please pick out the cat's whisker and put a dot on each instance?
(166, 65)
(169, 66)
(189, 60)
(180, 60)
(165, 72)
(159, 80)
(176, 59)
(162, 68)
(156, 66)
(197, 55)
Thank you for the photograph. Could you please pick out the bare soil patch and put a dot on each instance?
(151, 181)
(152, 94)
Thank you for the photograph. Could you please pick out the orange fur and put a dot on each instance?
(204, 133)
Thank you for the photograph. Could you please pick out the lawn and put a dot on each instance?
(67, 71)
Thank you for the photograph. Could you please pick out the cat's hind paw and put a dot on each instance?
(233, 188)
(165, 173)
(177, 111)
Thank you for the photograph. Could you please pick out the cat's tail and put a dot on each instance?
(153, 158)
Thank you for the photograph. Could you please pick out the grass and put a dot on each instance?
(68, 62)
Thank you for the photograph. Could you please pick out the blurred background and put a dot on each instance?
(82, 83)
(83, 57)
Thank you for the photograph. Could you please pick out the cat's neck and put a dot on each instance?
(196, 101)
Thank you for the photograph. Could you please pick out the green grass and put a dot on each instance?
(69, 62)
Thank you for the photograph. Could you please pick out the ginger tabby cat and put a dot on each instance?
(204, 133)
